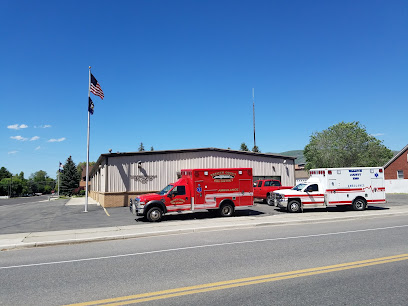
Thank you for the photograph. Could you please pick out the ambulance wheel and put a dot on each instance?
(294, 206)
(269, 200)
(359, 204)
(226, 210)
(154, 214)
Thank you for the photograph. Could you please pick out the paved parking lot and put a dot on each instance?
(38, 214)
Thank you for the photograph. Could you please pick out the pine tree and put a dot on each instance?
(256, 149)
(69, 178)
(141, 147)
(244, 147)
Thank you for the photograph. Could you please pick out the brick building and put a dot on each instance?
(397, 167)
(82, 182)
(396, 173)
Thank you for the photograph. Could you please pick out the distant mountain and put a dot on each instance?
(300, 159)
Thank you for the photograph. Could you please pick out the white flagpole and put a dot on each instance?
(87, 146)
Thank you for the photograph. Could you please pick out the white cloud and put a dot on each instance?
(12, 152)
(34, 138)
(20, 138)
(17, 127)
(37, 148)
(45, 126)
(377, 134)
(57, 140)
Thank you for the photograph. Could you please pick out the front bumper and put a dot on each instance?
(280, 201)
(136, 208)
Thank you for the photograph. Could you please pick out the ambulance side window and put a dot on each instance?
(313, 187)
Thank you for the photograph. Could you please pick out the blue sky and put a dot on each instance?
(179, 74)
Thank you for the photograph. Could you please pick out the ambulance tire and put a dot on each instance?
(154, 214)
(359, 204)
(226, 210)
(294, 206)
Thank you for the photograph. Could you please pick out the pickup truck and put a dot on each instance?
(263, 188)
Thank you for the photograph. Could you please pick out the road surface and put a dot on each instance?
(356, 262)
(37, 214)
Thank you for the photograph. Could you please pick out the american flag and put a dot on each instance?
(96, 88)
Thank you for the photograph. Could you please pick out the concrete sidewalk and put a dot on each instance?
(38, 239)
(81, 201)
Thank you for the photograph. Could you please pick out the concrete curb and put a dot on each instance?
(113, 233)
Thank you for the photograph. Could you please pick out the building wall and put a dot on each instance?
(396, 186)
(401, 163)
(121, 176)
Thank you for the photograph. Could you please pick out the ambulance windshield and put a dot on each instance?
(165, 190)
(299, 187)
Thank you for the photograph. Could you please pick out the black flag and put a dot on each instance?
(91, 106)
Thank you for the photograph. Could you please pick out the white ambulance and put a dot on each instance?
(333, 187)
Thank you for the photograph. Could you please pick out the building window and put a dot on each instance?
(400, 174)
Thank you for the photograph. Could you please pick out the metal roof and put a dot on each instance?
(118, 154)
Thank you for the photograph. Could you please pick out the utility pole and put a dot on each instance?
(253, 111)
(11, 186)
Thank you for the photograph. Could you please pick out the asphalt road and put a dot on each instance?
(37, 214)
(356, 262)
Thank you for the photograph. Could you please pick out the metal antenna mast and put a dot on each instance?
(253, 111)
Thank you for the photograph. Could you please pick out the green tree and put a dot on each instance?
(256, 149)
(244, 147)
(141, 147)
(5, 187)
(17, 186)
(345, 145)
(40, 182)
(4, 173)
(151, 148)
(69, 178)
(82, 166)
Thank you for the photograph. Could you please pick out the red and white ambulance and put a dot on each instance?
(199, 189)
(333, 187)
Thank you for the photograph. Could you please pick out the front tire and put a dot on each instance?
(154, 214)
(270, 200)
(226, 210)
(359, 204)
(294, 206)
